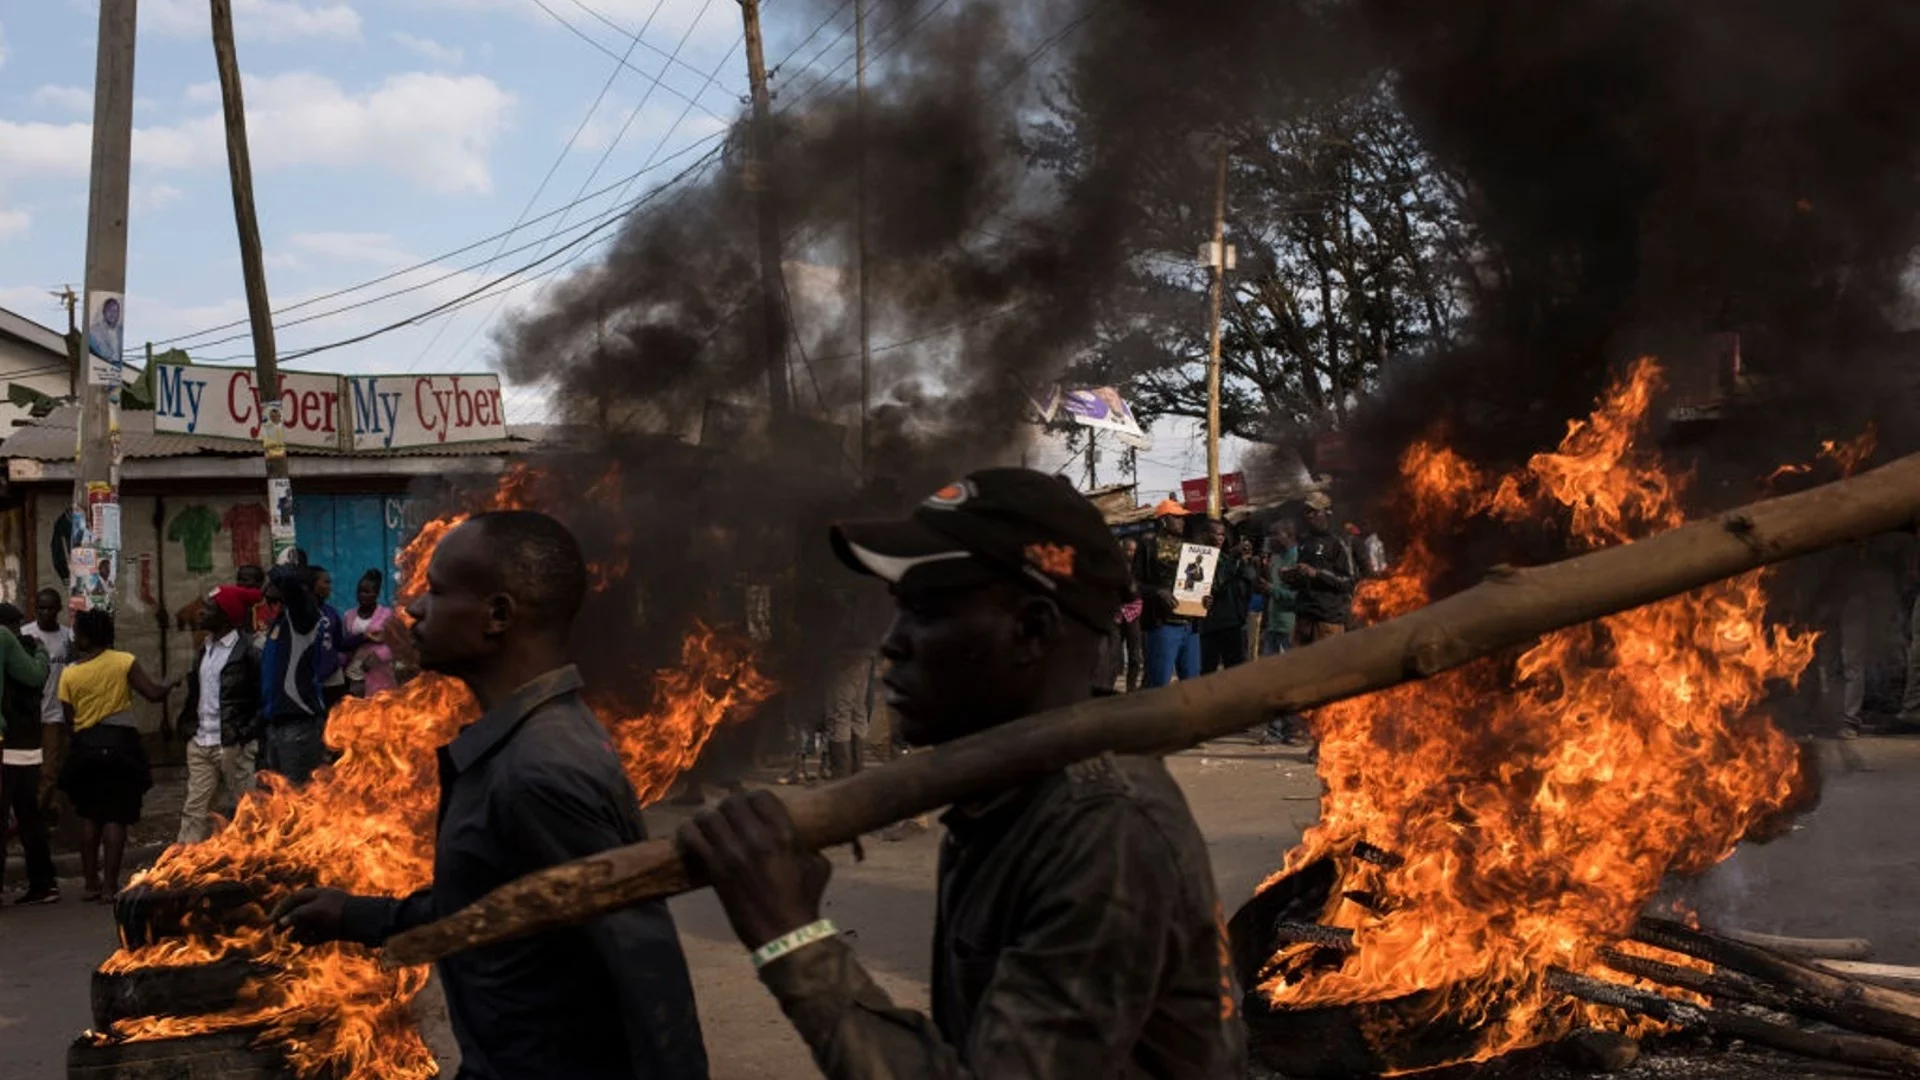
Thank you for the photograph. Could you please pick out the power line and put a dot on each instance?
(622, 59)
(440, 331)
(481, 291)
(671, 58)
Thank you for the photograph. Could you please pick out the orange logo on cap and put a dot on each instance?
(1054, 560)
(950, 496)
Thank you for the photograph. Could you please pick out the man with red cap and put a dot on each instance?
(1173, 641)
(221, 719)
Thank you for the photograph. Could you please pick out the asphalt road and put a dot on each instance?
(1851, 869)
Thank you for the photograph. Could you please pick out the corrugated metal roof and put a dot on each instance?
(54, 437)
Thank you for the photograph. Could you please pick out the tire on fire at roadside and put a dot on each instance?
(226, 1055)
(1366, 1038)
(147, 914)
(187, 990)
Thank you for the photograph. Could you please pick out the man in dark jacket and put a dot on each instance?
(291, 698)
(1173, 641)
(533, 783)
(1078, 935)
(1323, 577)
(1223, 632)
(221, 717)
(21, 759)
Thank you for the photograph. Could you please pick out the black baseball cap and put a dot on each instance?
(998, 524)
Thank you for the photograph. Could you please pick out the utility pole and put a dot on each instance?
(93, 555)
(1217, 255)
(773, 308)
(860, 224)
(266, 379)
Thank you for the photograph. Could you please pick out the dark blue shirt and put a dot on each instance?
(534, 783)
(290, 670)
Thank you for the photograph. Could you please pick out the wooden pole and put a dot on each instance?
(96, 490)
(1820, 994)
(1512, 607)
(1805, 948)
(273, 432)
(773, 308)
(1214, 300)
(1847, 1049)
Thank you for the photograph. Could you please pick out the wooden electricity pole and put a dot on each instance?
(773, 308)
(1219, 273)
(860, 224)
(273, 434)
(96, 491)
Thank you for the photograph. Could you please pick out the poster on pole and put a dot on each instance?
(106, 312)
(223, 403)
(393, 412)
(1193, 579)
(280, 525)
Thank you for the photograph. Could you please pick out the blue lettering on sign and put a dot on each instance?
(374, 413)
(180, 396)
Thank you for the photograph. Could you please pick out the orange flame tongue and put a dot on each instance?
(1538, 806)
(367, 825)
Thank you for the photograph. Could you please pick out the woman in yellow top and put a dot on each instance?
(106, 773)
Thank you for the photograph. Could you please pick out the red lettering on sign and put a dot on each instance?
(310, 411)
(330, 401)
(239, 390)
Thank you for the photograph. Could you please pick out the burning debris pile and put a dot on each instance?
(1488, 827)
(198, 919)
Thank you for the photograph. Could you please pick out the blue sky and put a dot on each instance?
(384, 135)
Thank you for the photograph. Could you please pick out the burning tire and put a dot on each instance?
(223, 1056)
(190, 990)
(147, 915)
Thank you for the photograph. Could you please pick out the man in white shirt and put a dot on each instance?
(221, 719)
(57, 640)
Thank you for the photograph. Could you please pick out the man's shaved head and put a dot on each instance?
(538, 562)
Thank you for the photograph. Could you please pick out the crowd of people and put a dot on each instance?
(271, 657)
(1290, 587)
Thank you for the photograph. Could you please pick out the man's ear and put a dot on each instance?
(501, 611)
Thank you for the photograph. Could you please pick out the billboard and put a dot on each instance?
(222, 403)
(391, 412)
(1233, 492)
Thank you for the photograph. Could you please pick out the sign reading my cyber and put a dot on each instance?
(381, 412)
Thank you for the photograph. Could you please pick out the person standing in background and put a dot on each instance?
(331, 662)
(221, 717)
(364, 641)
(55, 734)
(292, 702)
(1132, 639)
(1283, 553)
(1323, 576)
(1223, 632)
(21, 761)
(1173, 641)
(107, 774)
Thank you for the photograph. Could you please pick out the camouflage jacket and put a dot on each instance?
(1078, 937)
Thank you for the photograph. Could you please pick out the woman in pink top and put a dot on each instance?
(369, 657)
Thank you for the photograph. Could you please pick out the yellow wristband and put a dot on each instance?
(798, 939)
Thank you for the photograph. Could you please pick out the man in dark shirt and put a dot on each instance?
(1077, 935)
(534, 782)
(290, 694)
(1223, 632)
(1323, 578)
(1173, 641)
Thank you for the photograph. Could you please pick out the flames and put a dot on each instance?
(1536, 804)
(367, 825)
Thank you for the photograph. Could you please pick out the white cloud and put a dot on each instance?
(378, 248)
(12, 222)
(145, 197)
(611, 123)
(436, 130)
(74, 99)
(255, 20)
(433, 52)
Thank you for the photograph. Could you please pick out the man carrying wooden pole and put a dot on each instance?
(1078, 933)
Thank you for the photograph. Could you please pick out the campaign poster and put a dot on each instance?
(1193, 578)
(106, 312)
